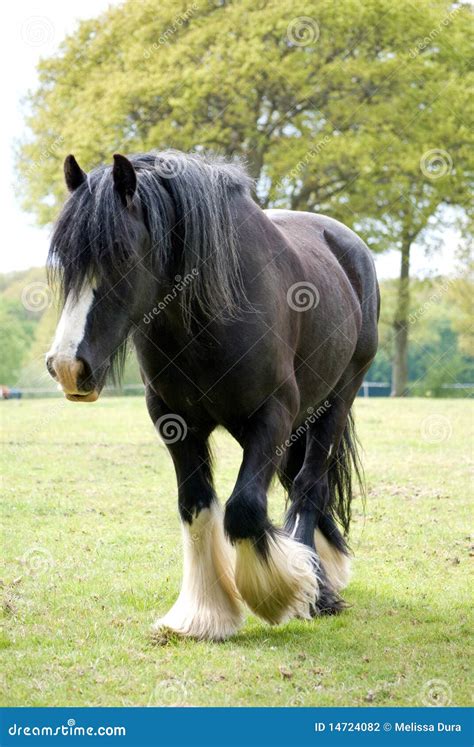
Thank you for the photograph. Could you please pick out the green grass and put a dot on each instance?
(92, 548)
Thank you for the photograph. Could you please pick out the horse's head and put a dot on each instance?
(155, 231)
(99, 252)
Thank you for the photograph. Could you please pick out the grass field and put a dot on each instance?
(92, 547)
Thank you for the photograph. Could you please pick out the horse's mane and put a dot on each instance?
(95, 237)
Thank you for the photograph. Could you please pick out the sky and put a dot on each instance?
(34, 30)
(31, 31)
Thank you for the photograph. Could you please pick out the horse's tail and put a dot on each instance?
(344, 471)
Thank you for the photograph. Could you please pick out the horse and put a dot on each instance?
(263, 322)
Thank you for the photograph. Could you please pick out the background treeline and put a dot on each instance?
(440, 320)
(357, 109)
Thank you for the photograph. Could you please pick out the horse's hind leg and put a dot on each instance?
(274, 574)
(208, 606)
(314, 494)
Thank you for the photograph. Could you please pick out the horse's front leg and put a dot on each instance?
(208, 606)
(275, 575)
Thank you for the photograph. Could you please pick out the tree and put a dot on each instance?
(462, 295)
(437, 356)
(354, 109)
(16, 336)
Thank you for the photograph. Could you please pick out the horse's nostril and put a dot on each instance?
(74, 374)
(84, 375)
(50, 366)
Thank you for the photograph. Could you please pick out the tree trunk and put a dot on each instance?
(400, 326)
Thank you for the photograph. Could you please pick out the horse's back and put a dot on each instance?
(313, 233)
(347, 247)
(318, 237)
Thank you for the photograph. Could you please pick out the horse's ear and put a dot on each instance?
(73, 173)
(125, 178)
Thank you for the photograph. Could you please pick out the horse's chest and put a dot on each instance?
(214, 383)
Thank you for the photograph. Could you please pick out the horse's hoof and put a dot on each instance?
(205, 625)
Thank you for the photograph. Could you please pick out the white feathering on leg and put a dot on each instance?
(336, 564)
(280, 585)
(208, 606)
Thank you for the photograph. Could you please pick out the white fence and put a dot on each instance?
(364, 391)
(368, 389)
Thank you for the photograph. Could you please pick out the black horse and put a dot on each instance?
(263, 322)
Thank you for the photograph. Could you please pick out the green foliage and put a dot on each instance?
(332, 104)
(360, 110)
(462, 295)
(15, 339)
(439, 319)
(437, 355)
(27, 322)
(28, 318)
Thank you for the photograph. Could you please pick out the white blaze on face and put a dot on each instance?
(72, 324)
(69, 335)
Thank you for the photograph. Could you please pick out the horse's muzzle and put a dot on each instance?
(89, 397)
(74, 377)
